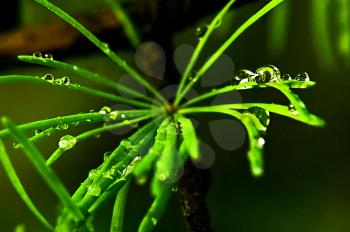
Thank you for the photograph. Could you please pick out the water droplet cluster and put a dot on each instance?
(266, 74)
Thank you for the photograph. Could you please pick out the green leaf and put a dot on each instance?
(119, 209)
(268, 7)
(48, 175)
(190, 139)
(75, 69)
(125, 21)
(10, 171)
(143, 167)
(152, 217)
(102, 46)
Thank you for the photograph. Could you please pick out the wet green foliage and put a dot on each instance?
(159, 148)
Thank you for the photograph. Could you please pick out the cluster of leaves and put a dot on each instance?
(161, 146)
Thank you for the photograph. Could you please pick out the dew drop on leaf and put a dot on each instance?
(65, 80)
(48, 77)
(67, 142)
(286, 77)
(200, 31)
(105, 110)
(94, 190)
(37, 55)
(113, 115)
(261, 114)
(269, 73)
(304, 76)
(38, 131)
(292, 109)
(48, 56)
(154, 221)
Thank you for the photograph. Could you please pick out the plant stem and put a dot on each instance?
(193, 189)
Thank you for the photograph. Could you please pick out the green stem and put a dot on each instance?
(102, 46)
(223, 48)
(202, 42)
(36, 79)
(125, 21)
(86, 118)
(119, 209)
(83, 73)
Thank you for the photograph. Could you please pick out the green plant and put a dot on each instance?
(161, 146)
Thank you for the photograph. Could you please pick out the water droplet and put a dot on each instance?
(65, 80)
(37, 55)
(48, 77)
(243, 76)
(106, 155)
(105, 110)
(261, 142)
(261, 114)
(201, 30)
(75, 67)
(123, 116)
(286, 77)
(48, 56)
(38, 131)
(292, 109)
(94, 190)
(67, 142)
(270, 73)
(174, 188)
(154, 221)
(92, 174)
(61, 127)
(162, 176)
(304, 76)
(113, 115)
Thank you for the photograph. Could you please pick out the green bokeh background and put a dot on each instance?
(306, 185)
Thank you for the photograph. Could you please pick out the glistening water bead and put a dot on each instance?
(304, 76)
(261, 114)
(48, 56)
(48, 77)
(37, 55)
(286, 77)
(243, 76)
(67, 142)
(105, 110)
(201, 30)
(268, 73)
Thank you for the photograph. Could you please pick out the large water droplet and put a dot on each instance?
(67, 142)
(304, 76)
(201, 30)
(37, 55)
(94, 190)
(48, 77)
(269, 73)
(261, 114)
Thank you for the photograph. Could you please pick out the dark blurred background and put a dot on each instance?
(306, 185)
